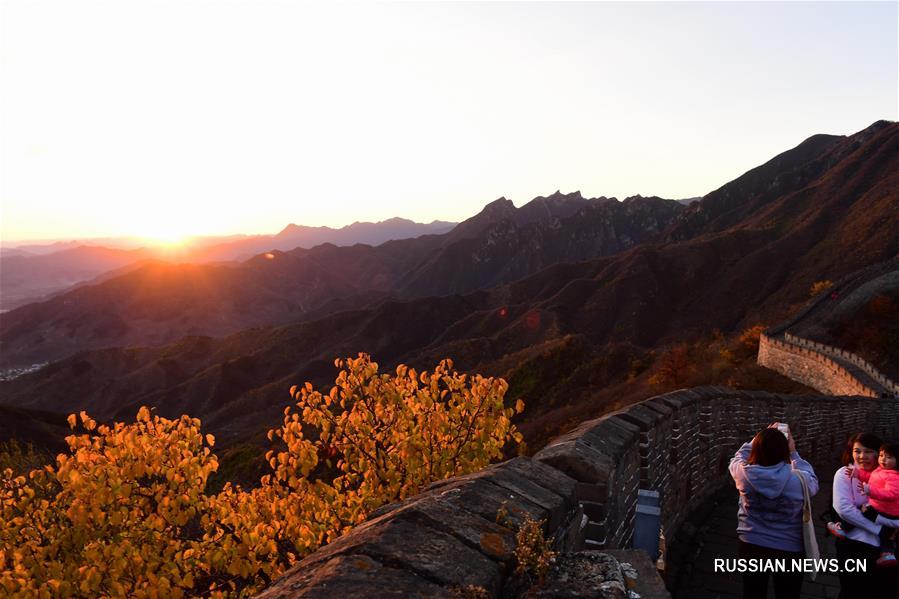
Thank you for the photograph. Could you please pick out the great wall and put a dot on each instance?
(585, 486)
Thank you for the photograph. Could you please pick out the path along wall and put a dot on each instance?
(812, 368)
(583, 485)
(822, 348)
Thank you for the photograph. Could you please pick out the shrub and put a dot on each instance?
(127, 512)
(673, 368)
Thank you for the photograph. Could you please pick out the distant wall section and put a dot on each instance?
(811, 368)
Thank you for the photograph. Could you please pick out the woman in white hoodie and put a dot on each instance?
(860, 540)
(770, 515)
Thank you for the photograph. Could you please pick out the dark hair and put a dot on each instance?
(769, 447)
(891, 449)
(869, 440)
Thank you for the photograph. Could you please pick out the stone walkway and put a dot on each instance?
(715, 536)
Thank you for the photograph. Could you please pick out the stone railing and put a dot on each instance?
(681, 443)
(584, 485)
(445, 538)
(810, 367)
(872, 371)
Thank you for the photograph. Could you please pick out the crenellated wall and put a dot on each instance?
(811, 368)
(680, 445)
(823, 367)
(854, 359)
(583, 484)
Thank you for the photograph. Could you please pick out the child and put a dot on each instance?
(882, 488)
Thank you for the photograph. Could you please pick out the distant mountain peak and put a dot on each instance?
(498, 203)
(292, 228)
(396, 220)
(558, 195)
(871, 130)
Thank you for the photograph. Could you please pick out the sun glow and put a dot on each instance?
(165, 239)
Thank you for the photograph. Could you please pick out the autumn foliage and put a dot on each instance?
(126, 512)
(673, 368)
(819, 287)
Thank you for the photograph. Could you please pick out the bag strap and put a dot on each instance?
(806, 498)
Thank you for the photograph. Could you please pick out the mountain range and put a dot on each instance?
(30, 273)
(560, 296)
(159, 302)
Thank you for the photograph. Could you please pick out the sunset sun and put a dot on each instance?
(165, 236)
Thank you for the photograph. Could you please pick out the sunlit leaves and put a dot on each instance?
(126, 514)
(113, 517)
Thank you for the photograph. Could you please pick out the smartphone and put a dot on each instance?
(784, 428)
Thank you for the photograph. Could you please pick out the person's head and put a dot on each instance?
(769, 447)
(861, 450)
(887, 456)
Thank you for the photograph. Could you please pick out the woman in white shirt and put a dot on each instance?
(861, 537)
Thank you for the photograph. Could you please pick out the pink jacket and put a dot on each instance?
(883, 491)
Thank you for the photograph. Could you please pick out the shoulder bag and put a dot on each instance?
(808, 525)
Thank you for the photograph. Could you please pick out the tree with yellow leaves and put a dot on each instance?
(126, 513)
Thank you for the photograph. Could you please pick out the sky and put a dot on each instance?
(164, 119)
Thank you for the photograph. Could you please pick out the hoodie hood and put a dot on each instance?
(768, 481)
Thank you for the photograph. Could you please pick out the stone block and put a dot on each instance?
(598, 493)
(403, 542)
(577, 459)
(352, 577)
(487, 536)
(648, 583)
(583, 574)
(613, 436)
(546, 476)
(555, 505)
(481, 497)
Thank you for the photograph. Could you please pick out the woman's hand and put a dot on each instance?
(791, 443)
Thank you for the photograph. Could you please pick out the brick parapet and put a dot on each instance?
(852, 358)
(812, 368)
(684, 445)
(583, 485)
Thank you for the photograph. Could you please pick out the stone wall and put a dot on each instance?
(680, 445)
(583, 485)
(829, 350)
(444, 539)
(810, 367)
